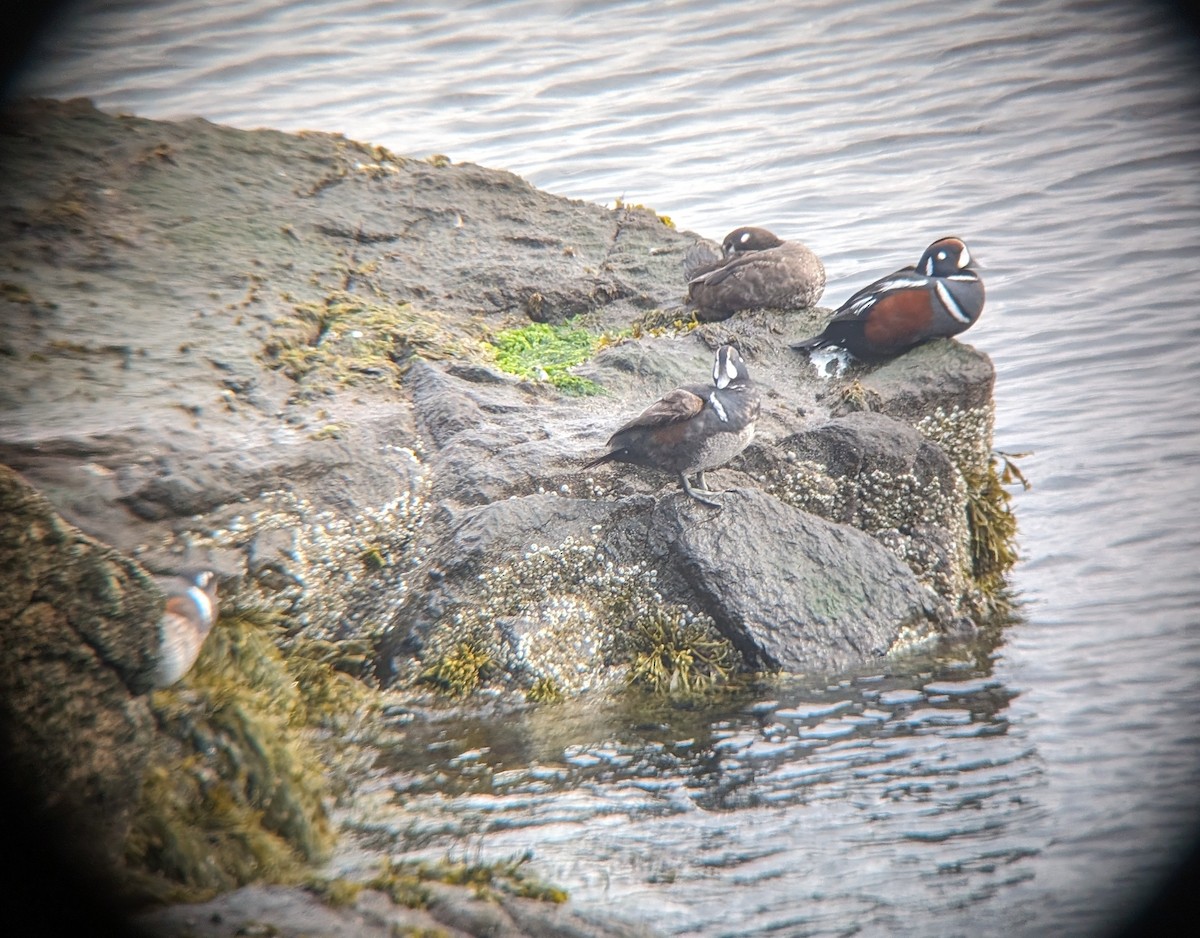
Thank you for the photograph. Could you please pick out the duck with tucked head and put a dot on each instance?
(941, 296)
(692, 429)
(755, 269)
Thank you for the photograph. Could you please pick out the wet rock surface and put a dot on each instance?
(791, 591)
(270, 355)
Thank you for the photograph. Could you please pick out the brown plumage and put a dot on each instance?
(757, 269)
(939, 297)
(690, 430)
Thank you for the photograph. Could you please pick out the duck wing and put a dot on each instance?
(860, 303)
(673, 407)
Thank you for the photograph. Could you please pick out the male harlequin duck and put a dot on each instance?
(190, 613)
(941, 296)
(693, 429)
(756, 269)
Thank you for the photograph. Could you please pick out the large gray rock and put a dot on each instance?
(880, 475)
(206, 329)
(791, 591)
(283, 374)
(548, 584)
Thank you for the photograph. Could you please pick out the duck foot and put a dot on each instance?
(695, 493)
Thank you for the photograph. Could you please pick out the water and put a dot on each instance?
(1063, 141)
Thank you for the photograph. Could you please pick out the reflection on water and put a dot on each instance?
(1061, 138)
(840, 792)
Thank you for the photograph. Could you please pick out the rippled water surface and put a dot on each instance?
(1037, 790)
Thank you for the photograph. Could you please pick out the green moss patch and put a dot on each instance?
(544, 352)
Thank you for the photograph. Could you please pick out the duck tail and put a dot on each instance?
(808, 345)
(607, 457)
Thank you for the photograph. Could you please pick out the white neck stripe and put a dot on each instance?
(950, 304)
(716, 405)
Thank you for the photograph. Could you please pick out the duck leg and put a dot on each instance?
(693, 493)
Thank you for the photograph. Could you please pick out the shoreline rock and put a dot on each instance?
(272, 355)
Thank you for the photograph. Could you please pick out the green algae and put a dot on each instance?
(659, 322)
(855, 397)
(544, 690)
(544, 352)
(337, 893)
(620, 204)
(991, 521)
(993, 524)
(559, 619)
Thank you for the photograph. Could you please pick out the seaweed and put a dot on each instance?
(544, 352)
(677, 655)
(237, 789)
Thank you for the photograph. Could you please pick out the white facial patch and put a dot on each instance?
(929, 267)
(965, 258)
(716, 406)
(745, 237)
(203, 605)
(723, 375)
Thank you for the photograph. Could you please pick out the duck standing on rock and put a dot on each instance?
(693, 429)
(189, 615)
(941, 296)
(755, 269)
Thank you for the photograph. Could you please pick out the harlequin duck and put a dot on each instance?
(190, 613)
(756, 269)
(693, 429)
(941, 296)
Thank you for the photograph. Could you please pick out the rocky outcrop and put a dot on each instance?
(269, 354)
(78, 649)
(279, 357)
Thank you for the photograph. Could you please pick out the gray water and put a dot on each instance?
(1039, 789)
